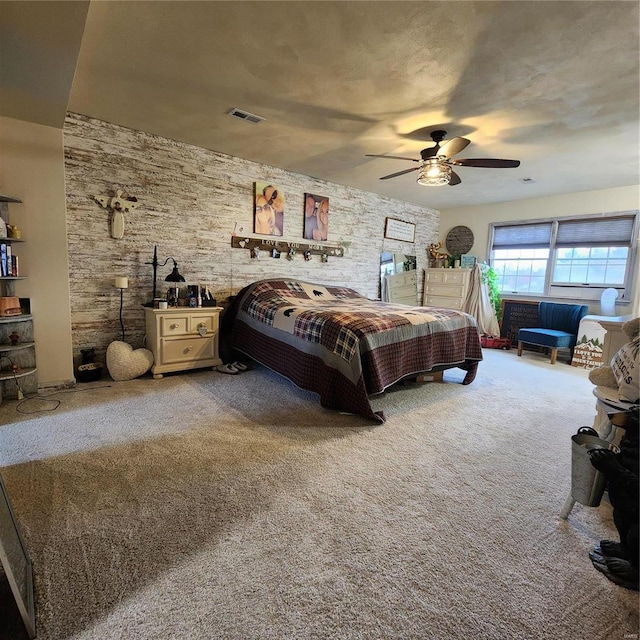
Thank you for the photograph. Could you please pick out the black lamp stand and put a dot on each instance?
(174, 276)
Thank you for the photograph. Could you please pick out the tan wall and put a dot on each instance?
(477, 218)
(32, 169)
(191, 199)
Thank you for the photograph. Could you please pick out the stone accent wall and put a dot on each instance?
(191, 200)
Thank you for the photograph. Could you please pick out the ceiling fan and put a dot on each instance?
(436, 162)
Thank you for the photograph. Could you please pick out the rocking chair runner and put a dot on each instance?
(558, 328)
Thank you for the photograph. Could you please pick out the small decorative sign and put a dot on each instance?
(467, 261)
(399, 230)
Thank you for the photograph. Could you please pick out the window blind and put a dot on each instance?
(607, 232)
(533, 236)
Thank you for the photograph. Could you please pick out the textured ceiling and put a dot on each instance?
(553, 84)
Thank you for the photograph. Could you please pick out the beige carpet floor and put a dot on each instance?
(209, 506)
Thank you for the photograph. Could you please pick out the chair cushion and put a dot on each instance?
(547, 338)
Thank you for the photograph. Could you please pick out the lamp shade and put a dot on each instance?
(174, 276)
(434, 173)
(121, 283)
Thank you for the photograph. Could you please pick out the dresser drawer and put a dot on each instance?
(446, 276)
(404, 278)
(174, 325)
(454, 276)
(445, 290)
(403, 293)
(441, 301)
(187, 349)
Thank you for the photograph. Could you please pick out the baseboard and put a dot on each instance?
(56, 385)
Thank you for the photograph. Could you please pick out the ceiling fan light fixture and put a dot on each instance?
(434, 173)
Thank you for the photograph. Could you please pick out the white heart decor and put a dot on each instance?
(125, 363)
(242, 244)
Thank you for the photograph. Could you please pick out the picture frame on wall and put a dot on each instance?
(268, 217)
(316, 217)
(399, 230)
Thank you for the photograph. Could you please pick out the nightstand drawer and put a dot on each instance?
(174, 325)
(187, 349)
(208, 321)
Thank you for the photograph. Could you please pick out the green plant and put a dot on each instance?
(489, 277)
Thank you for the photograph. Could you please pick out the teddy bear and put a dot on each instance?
(623, 372)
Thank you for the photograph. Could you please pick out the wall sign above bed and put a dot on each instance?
(399, 230)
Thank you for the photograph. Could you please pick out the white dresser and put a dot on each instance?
(182, 338)
(445, 287)
(401, 288)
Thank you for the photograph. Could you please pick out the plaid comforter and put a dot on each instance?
(345, 347)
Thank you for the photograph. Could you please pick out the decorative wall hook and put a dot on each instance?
(118, 205)
(276, 247)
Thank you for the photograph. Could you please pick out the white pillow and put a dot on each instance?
(625, 365)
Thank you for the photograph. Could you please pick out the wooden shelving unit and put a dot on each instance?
(17, 359)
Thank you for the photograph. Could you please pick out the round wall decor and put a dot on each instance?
(459, 240)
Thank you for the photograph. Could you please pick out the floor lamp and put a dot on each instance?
(122, 284)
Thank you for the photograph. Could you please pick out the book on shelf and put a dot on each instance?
(3, 260)
(14, 266)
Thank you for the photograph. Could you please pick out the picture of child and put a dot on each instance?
(269, 210)
(316, 217)
(322, 230)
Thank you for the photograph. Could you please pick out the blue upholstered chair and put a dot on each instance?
(558, 328)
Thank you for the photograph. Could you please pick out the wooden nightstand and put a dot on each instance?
(183, 338)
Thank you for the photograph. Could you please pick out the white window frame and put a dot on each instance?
(570, 291)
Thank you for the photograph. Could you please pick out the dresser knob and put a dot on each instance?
(173, 326)
(189, 348)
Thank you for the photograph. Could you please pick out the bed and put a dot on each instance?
(344, 347)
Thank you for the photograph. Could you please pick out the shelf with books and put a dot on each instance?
(17, 344)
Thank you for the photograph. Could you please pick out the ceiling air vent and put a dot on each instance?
(245, 115)
(528, 180)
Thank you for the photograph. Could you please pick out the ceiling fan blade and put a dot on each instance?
(455, 179)
(375, 155)
(491, 163)
(399, 173)
(450, 148)
(429, 152)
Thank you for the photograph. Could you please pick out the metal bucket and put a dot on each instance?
(587, 483)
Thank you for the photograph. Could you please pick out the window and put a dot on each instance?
(575, 257)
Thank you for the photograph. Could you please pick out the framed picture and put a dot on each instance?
(316, 217)
(268, 217)
(467, 261)
(399, 230)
